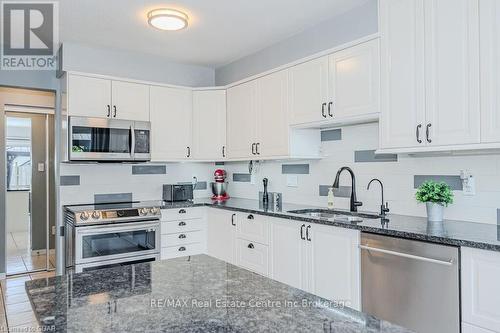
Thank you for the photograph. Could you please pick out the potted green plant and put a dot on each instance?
(436, 196)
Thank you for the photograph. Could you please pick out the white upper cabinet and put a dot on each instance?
(355, 81)
(452, 71)
(103, 98)
(130, 101)
(490, 69)
(402, 73)
(88, 96)
(309, 91)
(480, 274)
(171, 116)
(342, 87)
(241, 120)
(429, 73)
(272, 115)
(209, 124)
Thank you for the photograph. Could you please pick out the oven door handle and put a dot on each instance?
(97, 229)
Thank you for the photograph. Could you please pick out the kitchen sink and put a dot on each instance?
(332, 214)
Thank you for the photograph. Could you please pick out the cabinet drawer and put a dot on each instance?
(181, 250)
(253, 256)
(181, 213)
(174, 227)
(253, 227)
(181, 238)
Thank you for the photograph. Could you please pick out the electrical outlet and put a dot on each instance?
(469, 187)
(53, 231)
(292, 180)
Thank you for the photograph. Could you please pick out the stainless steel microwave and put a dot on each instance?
(101, 139)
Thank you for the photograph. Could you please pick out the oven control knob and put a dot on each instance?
(143, 211)
(84, 216)
(155, 210)
(96, 215)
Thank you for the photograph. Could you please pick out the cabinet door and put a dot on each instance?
(130, 101)
(221, 232)
(480, 288)
(308, 91)
(88, 96)
(402, 73)
(355, 80)
(335, 263)
(272, 115)
(241, 120)
(209, 124)
(287, 253)
(452, 71)
(170, 123)
(490, 70)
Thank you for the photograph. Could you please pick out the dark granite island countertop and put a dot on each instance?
(450, 232)
(190, 294)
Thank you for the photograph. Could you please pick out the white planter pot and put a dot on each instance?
(434, 212)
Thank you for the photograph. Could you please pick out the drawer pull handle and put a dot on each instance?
(181, 224)
(232, 220)
(251, 246)
(182, 211)
(182, 236)
(182, 248)
(250, 217)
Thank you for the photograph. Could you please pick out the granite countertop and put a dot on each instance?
(190, 294)
(450, 232)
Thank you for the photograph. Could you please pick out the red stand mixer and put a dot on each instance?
(219, 187)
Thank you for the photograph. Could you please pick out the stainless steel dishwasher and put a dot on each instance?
(411, 283)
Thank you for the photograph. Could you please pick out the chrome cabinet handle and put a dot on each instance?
(182, 211)
(114, 111)
(182, 248)
(232, 220)
(323, 110)
(329, 109)
(109, 110)
(182, 236)
(419, 126)
(253, 148)
(251, 246)
(406, 255)
(307, 233)
(302, 231)
(181, 224)
(188, 151)
(223, 151)
(427, 134)
(257, 148)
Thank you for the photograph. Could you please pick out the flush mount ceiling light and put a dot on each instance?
(167, 19)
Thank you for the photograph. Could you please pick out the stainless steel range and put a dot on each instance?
(105, 235)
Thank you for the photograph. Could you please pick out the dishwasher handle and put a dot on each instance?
(406, 255)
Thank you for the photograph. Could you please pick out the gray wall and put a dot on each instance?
(98, 60)
(354, 24)
(45, 80)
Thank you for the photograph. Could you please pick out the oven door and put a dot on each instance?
(116, 241)
(115, 263)
(100, 139)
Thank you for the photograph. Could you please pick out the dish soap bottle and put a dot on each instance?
(330, 198)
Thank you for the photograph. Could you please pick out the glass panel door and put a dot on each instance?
(101, 140)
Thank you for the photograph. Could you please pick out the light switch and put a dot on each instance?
(292, 180)
(41, 167)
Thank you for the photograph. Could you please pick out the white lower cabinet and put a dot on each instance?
(221, 235)
(183, 232)
(252, 256)
(322, 260)
(468, 328)
(480, 290)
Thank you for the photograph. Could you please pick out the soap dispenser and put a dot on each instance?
(330, 198)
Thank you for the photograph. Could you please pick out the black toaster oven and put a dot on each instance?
(177, 192)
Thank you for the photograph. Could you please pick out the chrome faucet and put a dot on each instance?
(383, 209)
(354, 203)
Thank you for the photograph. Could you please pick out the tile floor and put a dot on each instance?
(19, 257)
(16, 312)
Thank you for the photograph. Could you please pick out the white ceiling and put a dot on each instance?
(219, 32)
